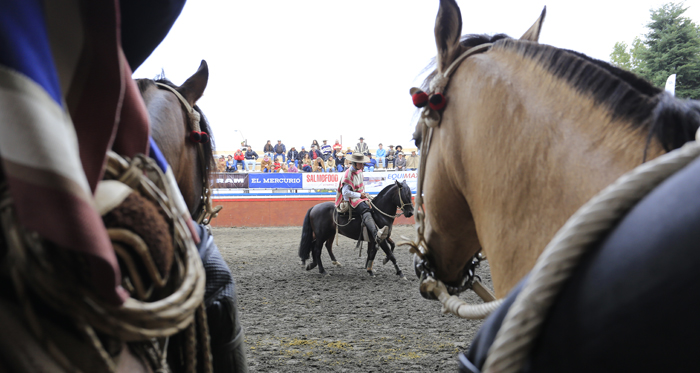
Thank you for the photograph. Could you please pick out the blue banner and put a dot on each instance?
(275, 181)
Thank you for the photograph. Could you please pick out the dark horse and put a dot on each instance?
(322, 220)
(191, 162)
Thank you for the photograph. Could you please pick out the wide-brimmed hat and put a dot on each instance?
(357, 157)
(362, 138)
(391, 146)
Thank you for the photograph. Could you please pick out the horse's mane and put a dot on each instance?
(671, 121)
(382, 193)
(144, 84)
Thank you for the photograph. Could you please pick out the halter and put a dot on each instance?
(207, 212)
(402, 207)
(429, 119)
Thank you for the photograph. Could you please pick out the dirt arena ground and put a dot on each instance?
(299, 321)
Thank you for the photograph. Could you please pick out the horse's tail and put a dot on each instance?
(307, 237)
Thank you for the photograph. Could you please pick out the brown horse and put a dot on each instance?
(171, 126)
(534, 132)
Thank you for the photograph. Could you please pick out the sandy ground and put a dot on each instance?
(299, 321)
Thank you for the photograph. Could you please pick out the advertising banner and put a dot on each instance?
(322, 180)
(376, 181)
(275, 181)
(230, 180)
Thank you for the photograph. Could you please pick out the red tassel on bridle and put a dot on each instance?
(421, 99)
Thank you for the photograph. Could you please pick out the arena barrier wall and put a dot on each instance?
(272, 211)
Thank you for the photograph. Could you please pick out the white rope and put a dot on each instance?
(556, 264)
(452, 304)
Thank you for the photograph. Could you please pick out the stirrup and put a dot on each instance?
(382, 234)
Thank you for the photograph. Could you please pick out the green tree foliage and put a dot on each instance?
(672, 46)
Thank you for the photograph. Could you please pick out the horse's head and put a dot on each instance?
(405, 203)
(450, 241)
(174, 116)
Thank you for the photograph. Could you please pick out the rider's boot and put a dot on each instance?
(378, 235)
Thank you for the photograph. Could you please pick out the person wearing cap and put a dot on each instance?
(293, 156)
(390, 157)
(401, 162)
(280, 150)
(381, 155)
(412, 161)
(351, 189)
(339, 161)
(326, 150)
(301, 155)
(362, 147)
(337, 147)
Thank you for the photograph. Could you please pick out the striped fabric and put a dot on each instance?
(66, 97)
(355, 179)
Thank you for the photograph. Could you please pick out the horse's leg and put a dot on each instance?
(318, 250)
(329, 247)
(371, 253)
(390, 256)
(393, 245)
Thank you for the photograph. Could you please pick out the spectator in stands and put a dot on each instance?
(268, 149)
(412, 161)
(306, 163)
(399, 149)
(292, 168)
(369, 166)
(277, 166)
(250, 157)
(302, 155)
(284, 167)
(229, 163)
(326, 150)
(280, 150)
(221, 166)
(314, 153)
(381, 155)
(293, 156)
(339, 161)
(244, 147)
(401, 162)
(348, 151)
(362, 146)
(266, 164)
(315, 143)
(337, 147)
(238, 158)
(390, 157)
(330, 164)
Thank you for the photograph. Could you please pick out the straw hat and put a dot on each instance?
(357, 157)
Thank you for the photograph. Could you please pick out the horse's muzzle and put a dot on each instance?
(408, 213)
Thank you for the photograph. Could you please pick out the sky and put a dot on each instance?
(324, 69)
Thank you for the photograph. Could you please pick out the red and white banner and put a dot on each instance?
(321, 180)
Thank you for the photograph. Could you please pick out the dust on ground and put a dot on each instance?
(300, 321)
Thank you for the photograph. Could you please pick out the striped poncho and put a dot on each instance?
(355, 179)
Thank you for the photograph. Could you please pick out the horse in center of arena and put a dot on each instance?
(322, 221)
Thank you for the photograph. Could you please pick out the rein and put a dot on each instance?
(207, 211)
(430, 119)
(400, 207)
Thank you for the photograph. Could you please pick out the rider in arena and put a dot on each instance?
(352, 190)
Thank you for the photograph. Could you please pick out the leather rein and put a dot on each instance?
(205, 210)
(428, 121)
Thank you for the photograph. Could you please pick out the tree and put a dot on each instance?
(672, 46)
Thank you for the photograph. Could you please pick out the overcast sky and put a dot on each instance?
(303, 70)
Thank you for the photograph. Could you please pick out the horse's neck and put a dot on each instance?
(386, 204)
(533, 151)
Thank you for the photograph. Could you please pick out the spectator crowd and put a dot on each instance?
(318, 158)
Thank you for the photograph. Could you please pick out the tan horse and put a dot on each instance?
(534, 132)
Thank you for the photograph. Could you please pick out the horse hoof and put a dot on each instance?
(310, 266)
(337, 264)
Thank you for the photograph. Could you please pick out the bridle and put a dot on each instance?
(402, 207)
(430, 119)
(205, 210)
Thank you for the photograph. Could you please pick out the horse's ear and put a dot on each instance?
(193, 88)
(397, 183)
(448, 29)
(533, 34)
